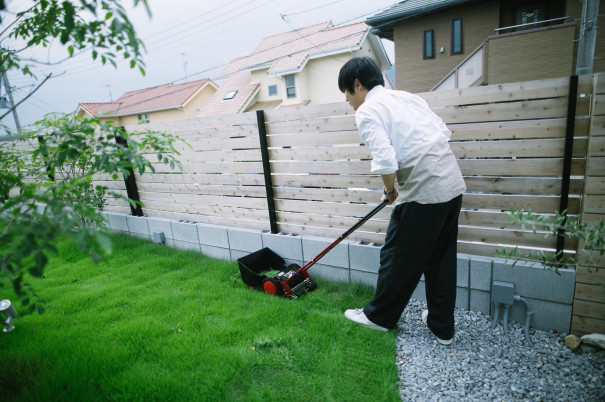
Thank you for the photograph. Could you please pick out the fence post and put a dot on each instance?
(264, 150)
(569, 133)
(131, 184)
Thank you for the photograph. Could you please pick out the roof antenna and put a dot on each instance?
(109, 89)
(184, 55)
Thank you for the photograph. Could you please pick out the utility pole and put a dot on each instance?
(11, 105)
(588, 37)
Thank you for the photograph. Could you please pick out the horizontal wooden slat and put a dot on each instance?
(218, 144)
(596, 166)
(324, 180)
(203, 200)
(594, 204)
(344, 154)
(309, 112)
(313, 139)
(586, 325)
(203, 179)
(551, 88)
(226, 156)
(597, 146)
(599, 104)
(521, 129)
(216, 133)
(212, 189)
(213, 210)
(211, 219)
(538, 204)
(595, 185)
(597, 128)
(329, 208)
(490, 250)
(318, 194)
(594, 293)
(517, 148)
(331, 233)
(518, 167)
(592, 276)
(303, 223)
(218, 167)
(520, 185)
(528, 239)
(322, 125)
(523, 110)
(354, 167)
(487, 184)
(200, 122)
(589, 309)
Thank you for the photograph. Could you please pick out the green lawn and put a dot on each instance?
(156, 323)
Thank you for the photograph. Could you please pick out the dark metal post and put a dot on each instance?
(264, 150)
(569, 133)
(131, 184)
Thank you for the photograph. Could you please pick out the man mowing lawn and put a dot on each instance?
(409, 147)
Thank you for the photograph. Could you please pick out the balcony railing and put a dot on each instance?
(536, 24)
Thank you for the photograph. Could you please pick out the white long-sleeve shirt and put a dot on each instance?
(405, 136)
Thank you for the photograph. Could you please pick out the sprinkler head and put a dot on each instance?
(9, 311)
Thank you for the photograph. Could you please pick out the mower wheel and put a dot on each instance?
(312, 286)
(272, 287)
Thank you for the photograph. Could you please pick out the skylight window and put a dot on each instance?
(230, 95)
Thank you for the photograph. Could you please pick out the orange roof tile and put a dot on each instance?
(239, 81)
(148, 99)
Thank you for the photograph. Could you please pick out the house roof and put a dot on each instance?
(406, 10)
(281, 54)
(239, 81)
(148, 99)
(288, 52)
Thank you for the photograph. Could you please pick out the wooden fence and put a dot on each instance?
(536, 145)
(589, 297)
(509, 140)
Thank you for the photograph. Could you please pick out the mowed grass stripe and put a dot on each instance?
(155, 323)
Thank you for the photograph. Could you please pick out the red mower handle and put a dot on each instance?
(343, 236)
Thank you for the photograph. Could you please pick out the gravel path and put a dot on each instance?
(482, 366)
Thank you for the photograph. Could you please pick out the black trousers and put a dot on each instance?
(420, 239)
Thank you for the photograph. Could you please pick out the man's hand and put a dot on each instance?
(389, 197)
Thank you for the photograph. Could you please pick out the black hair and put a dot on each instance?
(364, 69)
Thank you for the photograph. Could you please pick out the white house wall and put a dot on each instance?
(265, 80)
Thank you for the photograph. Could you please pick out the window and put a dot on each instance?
(290, 88)
(230, 95)
(428, 44)
(143, 118)
(272, 90)
(457, 44)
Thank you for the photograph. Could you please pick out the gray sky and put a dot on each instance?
(185, 40)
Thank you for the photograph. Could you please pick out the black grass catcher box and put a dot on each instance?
(289, 280)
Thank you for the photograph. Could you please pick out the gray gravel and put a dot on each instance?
(482, 366)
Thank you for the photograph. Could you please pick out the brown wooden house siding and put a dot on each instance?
(414, 74)
(503, 57)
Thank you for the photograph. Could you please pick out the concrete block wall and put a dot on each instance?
(550, 295)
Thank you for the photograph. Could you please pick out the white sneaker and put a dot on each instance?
(446, 342)
(359, 317)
